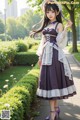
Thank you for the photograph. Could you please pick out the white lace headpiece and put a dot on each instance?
(51, 2)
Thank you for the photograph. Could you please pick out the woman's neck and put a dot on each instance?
(53, 20)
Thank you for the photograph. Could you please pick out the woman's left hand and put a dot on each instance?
(69, 24)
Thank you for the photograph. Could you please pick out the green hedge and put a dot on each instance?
(31, 42)
(21, 46)
(7, 53)
(8, 50)
(2, 37)
(21, 96)
(25, 58)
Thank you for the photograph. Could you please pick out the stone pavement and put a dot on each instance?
(70, 108)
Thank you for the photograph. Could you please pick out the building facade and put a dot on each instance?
(11, 9)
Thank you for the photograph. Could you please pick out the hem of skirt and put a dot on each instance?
(57, 98)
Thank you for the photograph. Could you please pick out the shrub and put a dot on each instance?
(2, 37)
(21, 96)
(35, 47)
(7, 53)
(31, 42)
(21, 47)
(25, 58)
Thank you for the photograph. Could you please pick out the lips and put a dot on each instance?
(50, 17)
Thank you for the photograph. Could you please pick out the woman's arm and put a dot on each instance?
(60, 26)
(62, 34)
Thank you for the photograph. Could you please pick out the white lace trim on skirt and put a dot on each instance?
(56, 92)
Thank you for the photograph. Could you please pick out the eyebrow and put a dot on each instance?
(49, 10)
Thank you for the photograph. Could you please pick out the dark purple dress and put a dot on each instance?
(53, 83)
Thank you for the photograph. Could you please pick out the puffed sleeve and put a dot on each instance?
(62, 39)
(41, 46)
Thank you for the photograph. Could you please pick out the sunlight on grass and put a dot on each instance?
(76, 55)
(12, 75)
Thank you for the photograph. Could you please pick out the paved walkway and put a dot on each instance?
(70, 108)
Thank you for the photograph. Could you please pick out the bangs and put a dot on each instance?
(50, 7)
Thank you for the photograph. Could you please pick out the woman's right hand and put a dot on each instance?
(39, 63)
(69, 24)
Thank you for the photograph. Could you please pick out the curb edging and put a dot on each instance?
(78, 63)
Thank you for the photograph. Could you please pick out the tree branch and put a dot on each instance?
(73, 6)
(66, 8)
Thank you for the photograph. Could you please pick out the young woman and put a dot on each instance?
(55, 80)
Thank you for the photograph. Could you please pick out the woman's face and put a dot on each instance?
(51, 14)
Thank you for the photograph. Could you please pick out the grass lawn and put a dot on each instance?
(76, 55)
(13, 74)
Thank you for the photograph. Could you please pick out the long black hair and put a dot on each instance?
(45, 21)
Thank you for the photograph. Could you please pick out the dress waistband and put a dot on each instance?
(49, 35)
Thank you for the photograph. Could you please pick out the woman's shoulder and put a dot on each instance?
(60, 27)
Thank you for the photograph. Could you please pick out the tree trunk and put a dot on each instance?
(74, 43)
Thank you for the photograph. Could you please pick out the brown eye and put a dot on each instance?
(47, 12)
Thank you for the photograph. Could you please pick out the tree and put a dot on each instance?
(73, 10)
(15, 29)
(21, 31)
(29, 19)
(11, 27)
(2, 27)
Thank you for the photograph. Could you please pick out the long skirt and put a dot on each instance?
(53, 83)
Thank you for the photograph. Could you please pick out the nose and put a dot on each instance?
(50, 14)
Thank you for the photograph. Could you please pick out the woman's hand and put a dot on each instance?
(69, 24)
(39, 63)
